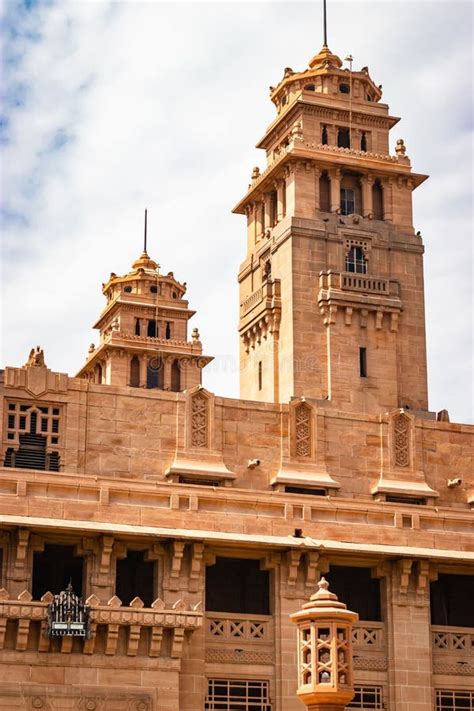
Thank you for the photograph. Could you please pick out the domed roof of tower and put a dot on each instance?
(145, 262)
(325, 59)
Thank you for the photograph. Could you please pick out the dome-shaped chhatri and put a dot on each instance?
(143, 332)
(325, 75)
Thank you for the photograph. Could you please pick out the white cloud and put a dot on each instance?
(160, 105)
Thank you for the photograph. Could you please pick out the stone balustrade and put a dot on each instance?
(368, 635)
(231, 627)
(114, 628)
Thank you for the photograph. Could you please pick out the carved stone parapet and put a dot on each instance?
(179, 619)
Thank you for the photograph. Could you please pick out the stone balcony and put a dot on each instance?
(348, 291)
(260, 311)
(453, 650)
(239, 638)
(115, 630)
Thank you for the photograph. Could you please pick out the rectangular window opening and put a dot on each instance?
(363, 362)
(54, 568)
(358, 589)
(451, 700)
(237, 585)
(405, 500)
(451, 600)
(241, 694)
(305, 490)
(135, 577)
(367, 697)
(260, 375)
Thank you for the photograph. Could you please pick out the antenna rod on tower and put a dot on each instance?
(145, 235)
(325, 24)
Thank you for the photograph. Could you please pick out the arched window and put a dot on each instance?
(98, 373)
(151, 328)
(135, 372)
(154, 373)
(363, 142)
(137, 326)
(324, 136)
(175, 377)
(356, 261)
(324, 193)
(377, 200)
(343, 138)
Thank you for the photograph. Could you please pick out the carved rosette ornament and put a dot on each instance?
(303, 430)
(401, 440)
(199, 420)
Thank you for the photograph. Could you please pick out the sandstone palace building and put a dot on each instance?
(193, 525)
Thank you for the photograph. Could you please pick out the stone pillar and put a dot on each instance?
(280, 187)
(324, 646)
(167, 373)
(317, 175)
(267, 209)
(332, 135)
(143, 367)
(387, 186)
(258, 220)
(143, 326)
(367, 182)
(409, 637)
(335, 178)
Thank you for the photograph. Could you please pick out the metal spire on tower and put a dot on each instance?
(145, 231)
(325, 44)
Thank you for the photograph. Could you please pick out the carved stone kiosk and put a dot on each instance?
(325, 667)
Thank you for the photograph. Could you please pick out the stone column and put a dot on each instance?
(258, 221)
(280, 187)
(267, 209)
(367, 182)
(317, 175)
(409, 637)
(143, 367)
(167, 373)
(335, 178)
(387, 186)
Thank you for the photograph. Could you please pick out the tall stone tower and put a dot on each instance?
(331, 290)
(143, 333)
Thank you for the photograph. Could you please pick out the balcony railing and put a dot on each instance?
(114, 628)
(368, 635)
(265, 295)
(453, 639)
(227, 627)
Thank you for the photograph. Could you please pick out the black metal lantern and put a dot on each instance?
(68, 615)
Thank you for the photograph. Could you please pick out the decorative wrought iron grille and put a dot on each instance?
(241, 694)
(68, 615)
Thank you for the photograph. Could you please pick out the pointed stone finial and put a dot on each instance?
(137, 602)
(47, 597)
(400, 148)
(255, 173)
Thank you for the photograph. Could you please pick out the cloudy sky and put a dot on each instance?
(109, 107)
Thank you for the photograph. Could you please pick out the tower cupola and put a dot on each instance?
(144, 332)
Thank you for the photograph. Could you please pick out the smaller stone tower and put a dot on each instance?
(143, 333)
